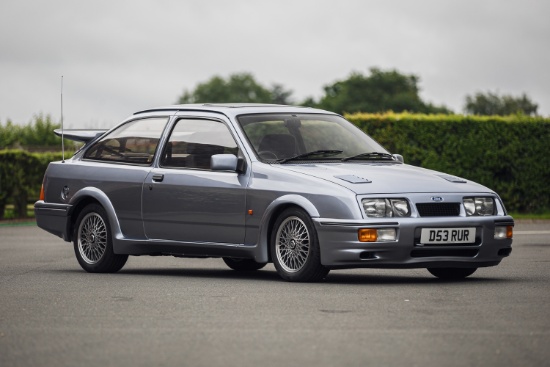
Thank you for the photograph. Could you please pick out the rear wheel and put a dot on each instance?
(295, 248)
(452, 273)
(93, 244)
(243, 264)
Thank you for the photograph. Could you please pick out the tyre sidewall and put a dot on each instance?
(312, 270)
(243, 264)
(109, 262)
(452, 273)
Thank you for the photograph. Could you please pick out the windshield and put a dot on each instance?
(283, 137)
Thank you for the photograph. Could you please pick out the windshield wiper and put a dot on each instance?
(370, 155)
(309, 154)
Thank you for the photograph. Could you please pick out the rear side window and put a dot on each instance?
(134, 142)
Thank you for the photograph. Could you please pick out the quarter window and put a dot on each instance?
(193, 142)
(134, 142)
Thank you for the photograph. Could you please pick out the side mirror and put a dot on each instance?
(224, 162)
(399, 157)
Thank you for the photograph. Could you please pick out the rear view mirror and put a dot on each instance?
(399, 157)
(223, 162)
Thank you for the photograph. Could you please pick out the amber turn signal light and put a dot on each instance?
(42, 196)
(367, 235)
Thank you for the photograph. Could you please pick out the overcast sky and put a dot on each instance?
(118, 57)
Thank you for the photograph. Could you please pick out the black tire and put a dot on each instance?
(243, 264)
(452, 273)
(295, 248)
(93, 243)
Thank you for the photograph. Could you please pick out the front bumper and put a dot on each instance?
(340, 247)
(53, 218)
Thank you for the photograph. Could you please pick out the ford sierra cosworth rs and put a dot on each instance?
(253, 184)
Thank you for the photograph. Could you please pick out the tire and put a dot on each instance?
(452, 273)
(243, 264)
(93, 243)
(295, 248)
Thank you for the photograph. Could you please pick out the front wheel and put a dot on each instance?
(452, 273)
(243, 264)
(295, 248)
(93, 244)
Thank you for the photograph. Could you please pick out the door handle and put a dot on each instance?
(158, 177)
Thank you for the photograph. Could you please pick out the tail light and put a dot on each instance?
(42, 194)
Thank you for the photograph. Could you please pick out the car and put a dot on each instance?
(253, 184)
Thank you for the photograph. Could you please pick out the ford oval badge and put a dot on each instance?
(437, 198)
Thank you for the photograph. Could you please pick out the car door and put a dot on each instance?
(183, 199)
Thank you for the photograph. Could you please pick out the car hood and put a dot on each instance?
(378, 178)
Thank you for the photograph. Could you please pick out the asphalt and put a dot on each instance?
(163, 311)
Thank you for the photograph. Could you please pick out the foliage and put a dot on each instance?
(240, 87)
(39, 133)
(21, 175)
(380, 91)
(507, 154)
(493, 104)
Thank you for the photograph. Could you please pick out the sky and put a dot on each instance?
(117, 57)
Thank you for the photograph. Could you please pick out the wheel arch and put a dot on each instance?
(271, 214)
(85, 197)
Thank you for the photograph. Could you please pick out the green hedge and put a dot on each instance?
(510, 154)
(21, 176)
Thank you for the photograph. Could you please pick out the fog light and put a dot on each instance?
(502, 232)
(377, 235)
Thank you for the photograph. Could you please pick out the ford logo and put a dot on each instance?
(437, 198)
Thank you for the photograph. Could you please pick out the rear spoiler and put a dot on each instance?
(84, 135)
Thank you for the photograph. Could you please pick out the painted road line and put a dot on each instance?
(531, 232)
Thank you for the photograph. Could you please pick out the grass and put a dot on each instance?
(9, 212)
(542, 216)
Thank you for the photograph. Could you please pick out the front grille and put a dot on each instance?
(438, 209)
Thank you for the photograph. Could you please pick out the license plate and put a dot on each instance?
(447, 235)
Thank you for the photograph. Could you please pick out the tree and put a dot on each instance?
(493, 104)
(380, 91)
(240, 87)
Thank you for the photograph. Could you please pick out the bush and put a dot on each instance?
(36, 136)
(508, 154)
(21, 176)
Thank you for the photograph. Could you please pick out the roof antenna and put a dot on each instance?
(62, 140)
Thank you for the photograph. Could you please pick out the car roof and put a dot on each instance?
(235, 109)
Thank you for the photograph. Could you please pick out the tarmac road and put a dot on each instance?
(163, 311)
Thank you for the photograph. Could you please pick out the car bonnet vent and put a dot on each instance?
(353, 179)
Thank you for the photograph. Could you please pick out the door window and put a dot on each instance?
(193, 142)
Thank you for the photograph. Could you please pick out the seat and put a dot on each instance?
(281, 145)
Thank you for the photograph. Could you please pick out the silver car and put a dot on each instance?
(253, 184)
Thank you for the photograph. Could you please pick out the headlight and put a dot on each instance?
(479, 206)
(382, 208)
